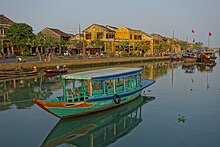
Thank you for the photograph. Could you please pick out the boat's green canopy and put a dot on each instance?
(104, 74)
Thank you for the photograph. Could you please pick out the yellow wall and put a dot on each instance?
(94, 30)
(121, 34)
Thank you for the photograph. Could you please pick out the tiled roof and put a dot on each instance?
(105, 28)
(111, 27)
(5, 20)
(61, 33)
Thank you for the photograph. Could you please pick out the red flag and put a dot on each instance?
(193, 31)
(210, 33)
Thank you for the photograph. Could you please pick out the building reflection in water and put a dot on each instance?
(98, 129)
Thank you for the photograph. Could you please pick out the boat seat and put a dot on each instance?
(69, 95)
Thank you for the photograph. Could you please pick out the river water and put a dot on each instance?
(181, 110)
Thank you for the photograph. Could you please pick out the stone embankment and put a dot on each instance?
(79, 63)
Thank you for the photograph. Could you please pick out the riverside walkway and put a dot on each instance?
(76, 63)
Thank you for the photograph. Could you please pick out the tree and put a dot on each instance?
(183, 45)
(97, 43)
(163, 46)
(38, 41)
(20, 34)
(142, 46)
(197, 45)
(123, 46)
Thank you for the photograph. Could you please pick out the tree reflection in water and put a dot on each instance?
(21, 91)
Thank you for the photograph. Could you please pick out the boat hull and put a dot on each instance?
(50, 72)
(17, 73)
(189, 59)
(72, 109)
(206, 59)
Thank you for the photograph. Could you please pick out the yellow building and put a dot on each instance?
(117, 39)
(95, 32)
(136, 40)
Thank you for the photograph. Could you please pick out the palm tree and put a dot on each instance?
(40, 41)
(142, 46)
(61, 43)
(97, 43)
(123, 46)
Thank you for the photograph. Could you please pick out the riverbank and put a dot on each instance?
(79, 63)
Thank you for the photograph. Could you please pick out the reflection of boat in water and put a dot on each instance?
(189, 68)
(100, 129)
(205, 67)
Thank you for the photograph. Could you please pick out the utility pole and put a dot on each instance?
(172, 43)
(208, 41)
(81, 41)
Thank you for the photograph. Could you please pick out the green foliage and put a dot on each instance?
(144, 46)
(62, 42)
(124, 45)
(183, 45)
(99, 43)
(20, 34)
(197, 45)
(163, 46)
(181, 119)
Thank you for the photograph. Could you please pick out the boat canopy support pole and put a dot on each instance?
(103, 86)
(64, 89)
(124, 84)
(140, 77)
(114, 85)
(90, 88)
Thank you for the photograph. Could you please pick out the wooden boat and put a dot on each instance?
(207, 57)
(98, 129)
(187, 57)
(55, 71)
(96, 90)
(17, 73)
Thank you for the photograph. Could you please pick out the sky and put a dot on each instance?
(151, 16)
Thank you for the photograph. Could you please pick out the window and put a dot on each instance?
(110, 36)
(130, 36)
(137, 37)
(88, 36)
(100, 35)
